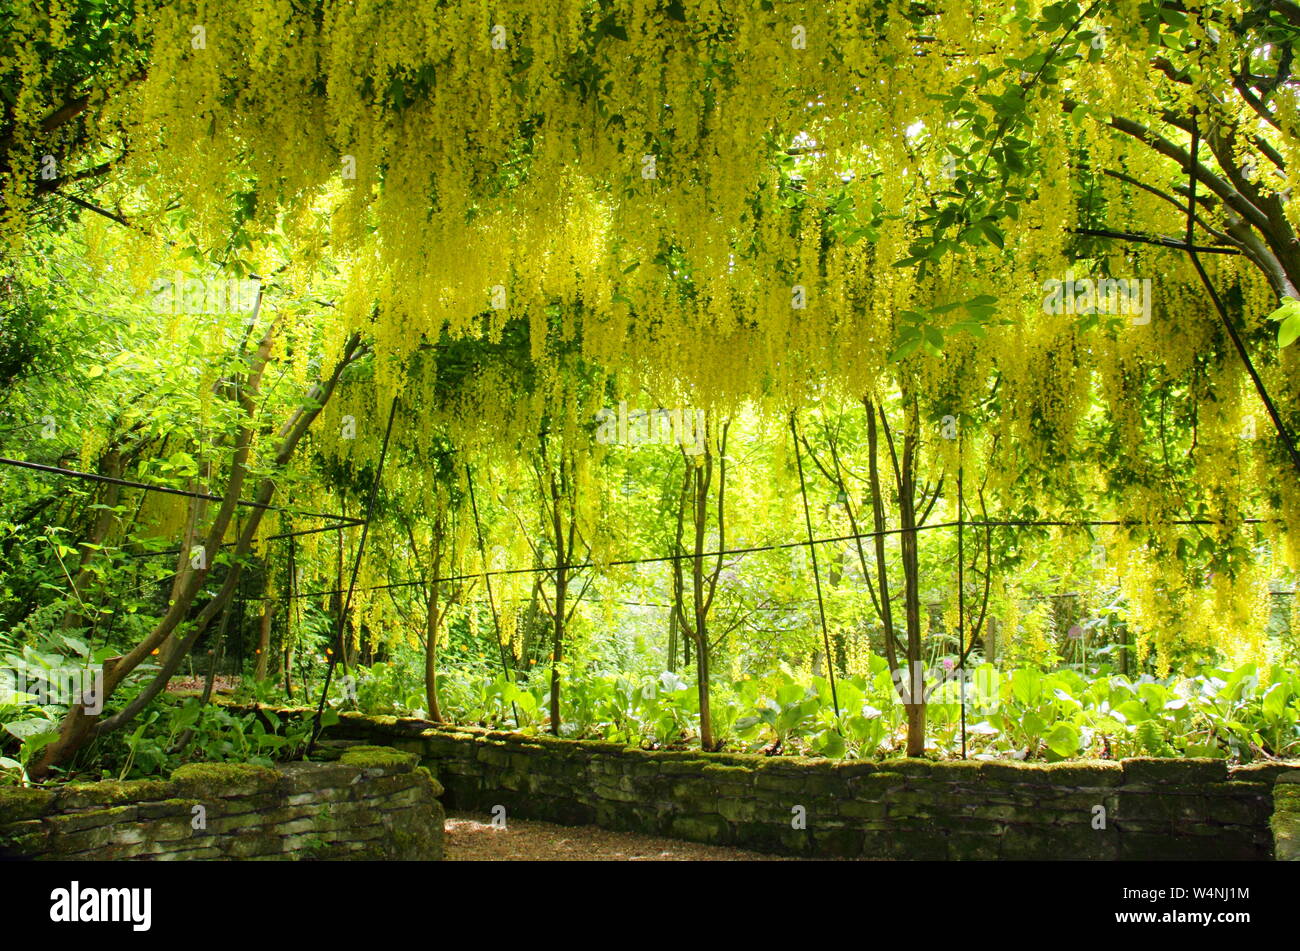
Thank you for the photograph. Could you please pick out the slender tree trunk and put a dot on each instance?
(564, 527)
(702, 678)
(672, 641)
(288, 660)
(916, 722)
(290, 603)
(697, 480)
(703, 476)
(433, 617)
(878, 542)
(431, 659)
(907, 672)
(264, 640)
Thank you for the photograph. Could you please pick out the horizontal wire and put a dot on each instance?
(660, 559)
(168, 490)
(347, 521)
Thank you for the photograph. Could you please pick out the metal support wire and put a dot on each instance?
(487, 582)
(1193, 252)
(969, 523)
(657, 560)
(280, 536)
(345, 521)
(356, 567)
(1283, 433)
(961, 592)
(817, 578)
(168, 490)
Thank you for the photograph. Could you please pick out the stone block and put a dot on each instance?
(19, 804)
(208, 782)
(711, 828)
(1151, 770)
(1285, 821)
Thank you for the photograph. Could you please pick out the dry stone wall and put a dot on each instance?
(894, 809)
(373, 803)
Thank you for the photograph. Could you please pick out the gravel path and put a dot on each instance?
(472, 838)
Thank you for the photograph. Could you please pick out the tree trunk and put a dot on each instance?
(431, 658)
(672, 641)
(915, 729)
(264, 640)
(432, 615)
(78, 727)
(694, 626)
(288, 659)
(702, 678)
(908, 675)
(702, 479)
(878, 541)
(912, 592)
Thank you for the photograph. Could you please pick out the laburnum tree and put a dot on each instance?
(733, 200)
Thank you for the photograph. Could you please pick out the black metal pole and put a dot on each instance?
(1283, 433)
(291, 590)
(817, 579)
(487, 581)
(356, 567)
(961, 593)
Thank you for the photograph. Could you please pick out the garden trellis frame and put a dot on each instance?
(343, 522)
(1187, 246)
(961, 524)
(349, 521)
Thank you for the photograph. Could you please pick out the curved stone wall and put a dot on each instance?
(374, 803)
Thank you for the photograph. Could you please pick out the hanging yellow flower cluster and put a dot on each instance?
(706, 200)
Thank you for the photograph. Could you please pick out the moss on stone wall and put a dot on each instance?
(380, 757)
(18, 804)
(217, 780)
(1285, 820)
(376, 803)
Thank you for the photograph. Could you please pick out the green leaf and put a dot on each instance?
(1288, 330)
(1026, 684)
(993, 232)
(1063, 740)
(905, 349)
(1288, 320)
(831, 744)
(26, 729)
(1275, 701)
